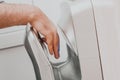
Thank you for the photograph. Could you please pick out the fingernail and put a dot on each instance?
(57, 57)
(59, 47)
(51, 53)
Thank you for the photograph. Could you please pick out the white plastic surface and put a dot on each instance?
(15, 64)
(42, 60)
(107, 17)
(84, 25)
(13, 36)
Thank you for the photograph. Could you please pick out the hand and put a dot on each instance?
(43, 25)
(21, 14)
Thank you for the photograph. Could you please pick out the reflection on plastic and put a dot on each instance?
(69, 70)
(67, 67)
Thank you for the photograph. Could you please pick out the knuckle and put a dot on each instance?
(54, 30)
(49, 37)
(50, 47)
(49, 33)
(49, 40)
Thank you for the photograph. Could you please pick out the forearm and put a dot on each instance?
(16, 14)
(20, 14)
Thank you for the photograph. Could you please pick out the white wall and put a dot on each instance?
(52, 8)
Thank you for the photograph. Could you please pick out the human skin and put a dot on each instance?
(21, 14)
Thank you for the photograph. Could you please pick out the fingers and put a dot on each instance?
(53, 43)
(48, 36)
(51, 37)
(56, 46)
(35, 31)
(50, 44)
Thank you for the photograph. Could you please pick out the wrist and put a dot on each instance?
(34, 15)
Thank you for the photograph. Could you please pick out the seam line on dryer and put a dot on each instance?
(76, 45)
(11, 31)
(97, 39)
(11, 47)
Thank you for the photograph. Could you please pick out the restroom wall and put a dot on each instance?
(51, 8)
(19, 1)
